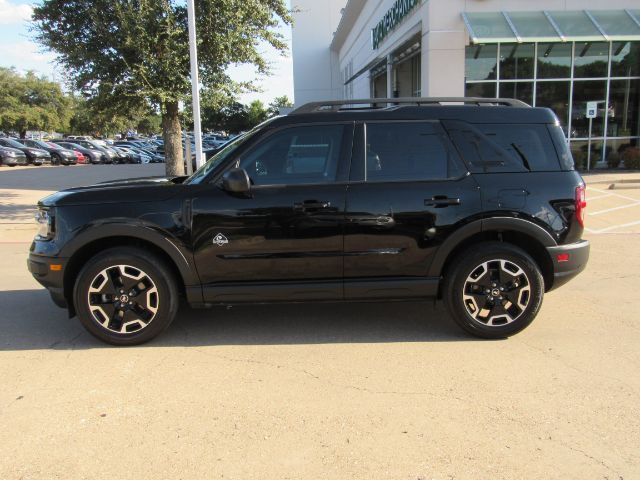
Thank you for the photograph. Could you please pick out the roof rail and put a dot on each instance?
(336, 105)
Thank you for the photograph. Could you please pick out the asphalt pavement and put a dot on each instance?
(357, 391)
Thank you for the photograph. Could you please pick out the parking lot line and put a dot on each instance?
(615, 208)
(612, 194)
(614, 227)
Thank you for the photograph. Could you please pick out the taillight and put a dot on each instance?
(581, 203)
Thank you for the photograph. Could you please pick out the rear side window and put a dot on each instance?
(504, 147)
(408, 151)
(531, 141)
(560, 142)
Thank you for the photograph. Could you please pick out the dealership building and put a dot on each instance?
(562, 54)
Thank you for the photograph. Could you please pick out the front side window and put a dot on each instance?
(297, 155)
(408, 151)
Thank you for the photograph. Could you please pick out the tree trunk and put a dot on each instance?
(172, 135)
(23, 134)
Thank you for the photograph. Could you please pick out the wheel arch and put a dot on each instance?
(96, 240)
(524, 234)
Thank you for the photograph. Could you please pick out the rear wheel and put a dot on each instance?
(494, 290)
(126, 296)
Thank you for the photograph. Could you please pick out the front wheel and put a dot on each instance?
(494, 290)
(126, 296)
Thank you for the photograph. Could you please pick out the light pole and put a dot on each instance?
(195, 89)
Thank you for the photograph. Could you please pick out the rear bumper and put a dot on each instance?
(568, 261)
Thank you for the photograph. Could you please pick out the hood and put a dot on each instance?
(17, 151)
(117, 191)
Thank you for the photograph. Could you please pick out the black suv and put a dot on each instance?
(476, 202)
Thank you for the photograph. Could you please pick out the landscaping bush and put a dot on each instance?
(613, 160)
(631, 157)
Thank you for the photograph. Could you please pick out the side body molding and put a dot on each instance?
(496, 224)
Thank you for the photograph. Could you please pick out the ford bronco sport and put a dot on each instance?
(474, 201)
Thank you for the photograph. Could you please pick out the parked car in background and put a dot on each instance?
(132, 156)
(79, 137)
(109, 155)
(80, 158)
(12, 157)
(93, 156)
(59, 155)
(35, 156)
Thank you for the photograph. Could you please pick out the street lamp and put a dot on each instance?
(195, 89)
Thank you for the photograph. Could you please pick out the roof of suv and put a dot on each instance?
(470, 109)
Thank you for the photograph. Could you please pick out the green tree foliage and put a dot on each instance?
(277, 104)
(138, 51)
(256, 113)
(30, 102)
(93, 117)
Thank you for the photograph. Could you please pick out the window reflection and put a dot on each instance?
(624, 108)
(520, 90)
(516, 61)
(486, 90)
(554, 60)
(583, 92)
(555, 95)
(591, 59)
(625, 59)
(481, 62)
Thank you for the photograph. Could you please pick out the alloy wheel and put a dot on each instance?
(496, 293)
(123, 299)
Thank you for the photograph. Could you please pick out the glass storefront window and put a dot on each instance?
(516, 61)
(554, 60)
(583, 92)
(520, 90)
(481, 62)
(555, 95)
(591, 60)
(624, 108)
(625, 59)
(485, 90)
(579, 152)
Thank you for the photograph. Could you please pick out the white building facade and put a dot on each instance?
(553, 53)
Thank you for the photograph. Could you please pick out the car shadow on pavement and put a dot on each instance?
(30, 321)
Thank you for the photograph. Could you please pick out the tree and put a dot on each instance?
(278, 103)
(93, 117)
(256, 114)
(138, 50)
(29, 102)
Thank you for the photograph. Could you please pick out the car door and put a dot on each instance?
(283, 241)
(409, 191)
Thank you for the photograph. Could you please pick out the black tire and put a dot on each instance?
(56, 159)
(495, 264)
(105, 265)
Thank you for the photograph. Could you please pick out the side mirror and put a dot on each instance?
(236, 181)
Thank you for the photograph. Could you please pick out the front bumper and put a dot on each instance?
(46, 272)
(568, 261)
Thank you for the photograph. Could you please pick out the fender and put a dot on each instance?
(496, 224)
(140, 230)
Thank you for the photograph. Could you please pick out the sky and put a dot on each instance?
(18, 50)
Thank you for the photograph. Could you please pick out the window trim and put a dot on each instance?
(362, 146)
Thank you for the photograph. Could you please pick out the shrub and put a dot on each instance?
(613, 160)
(631, 157)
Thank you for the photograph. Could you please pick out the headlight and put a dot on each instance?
(11, 154)
(68, 154)
(45, 222)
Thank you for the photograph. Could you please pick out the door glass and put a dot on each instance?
(408, 151)
(297, 155)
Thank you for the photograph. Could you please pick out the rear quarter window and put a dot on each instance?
(532, 141)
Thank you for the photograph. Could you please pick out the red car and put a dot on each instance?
(79, 155)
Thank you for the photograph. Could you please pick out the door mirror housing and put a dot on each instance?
(236, 181)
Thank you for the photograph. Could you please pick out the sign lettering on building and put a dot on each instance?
(391, 19)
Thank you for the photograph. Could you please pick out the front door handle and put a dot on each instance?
(311, 205)
(440, 201)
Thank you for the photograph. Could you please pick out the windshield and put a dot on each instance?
(225, 153)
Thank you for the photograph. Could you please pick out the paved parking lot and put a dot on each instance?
(324, 391)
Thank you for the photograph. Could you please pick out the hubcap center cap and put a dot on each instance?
(495, 292)
(124, 298)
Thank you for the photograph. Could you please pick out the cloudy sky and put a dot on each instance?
(19, 51)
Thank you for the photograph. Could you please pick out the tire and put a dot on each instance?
(98, 298)
(56, 159)
(473, 290)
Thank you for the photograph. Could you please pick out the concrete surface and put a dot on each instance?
(365, 391)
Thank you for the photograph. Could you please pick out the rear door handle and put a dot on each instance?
(441, 201)
(311, 205)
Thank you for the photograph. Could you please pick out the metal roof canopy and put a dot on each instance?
(559, 26)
